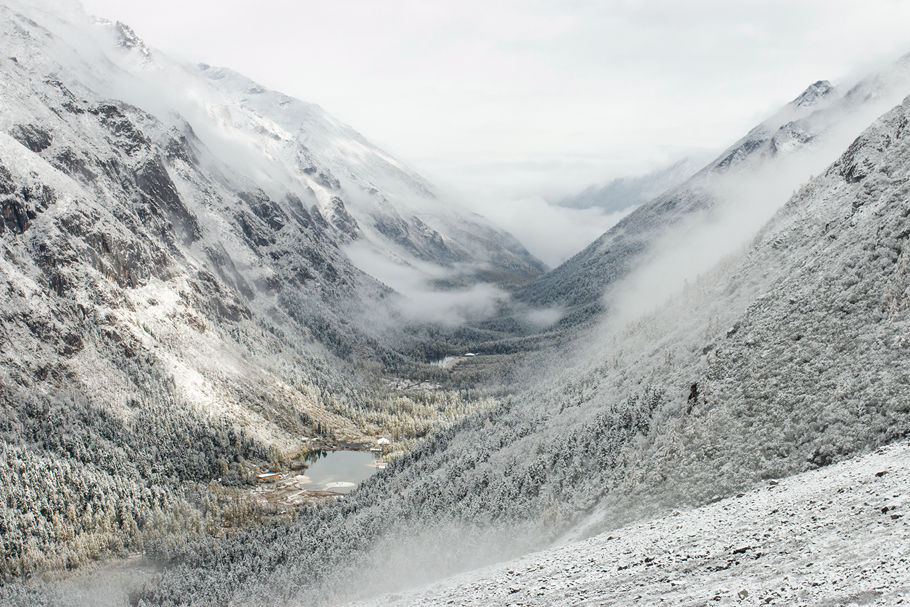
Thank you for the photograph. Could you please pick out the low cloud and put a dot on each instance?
(542, 318)
(744, 200)
(551, 233)
(419, 294)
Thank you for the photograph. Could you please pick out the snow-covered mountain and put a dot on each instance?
(291, 156)
(186, 301)
(178, 292)
(734, 194)
(141, 190)
(785, 357)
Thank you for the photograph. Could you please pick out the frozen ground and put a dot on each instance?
(839, 535)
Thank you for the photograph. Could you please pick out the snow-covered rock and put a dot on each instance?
(173, 211)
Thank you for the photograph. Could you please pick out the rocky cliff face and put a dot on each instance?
(114, 221)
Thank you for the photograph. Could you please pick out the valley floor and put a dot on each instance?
(839, 535)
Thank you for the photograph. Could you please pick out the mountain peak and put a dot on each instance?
(815, 91)
(125, 36)
(129, 39)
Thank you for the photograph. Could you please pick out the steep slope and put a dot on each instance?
(119, 221)
(835, 536)
(361, 191)
(751, 179)
(137, 355)
(178, 305)
(788, 356)
(190, 192)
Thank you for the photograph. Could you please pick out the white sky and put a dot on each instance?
(510, 99)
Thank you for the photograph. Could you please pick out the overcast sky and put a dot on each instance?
(511, 99)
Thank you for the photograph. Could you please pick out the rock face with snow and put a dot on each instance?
(128, 243)
(361, 192)
(162, 211)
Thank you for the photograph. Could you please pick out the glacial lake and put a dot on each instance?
(339, 471)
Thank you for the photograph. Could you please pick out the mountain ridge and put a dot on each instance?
(810, 130)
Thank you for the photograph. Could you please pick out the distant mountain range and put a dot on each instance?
(626, 193)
